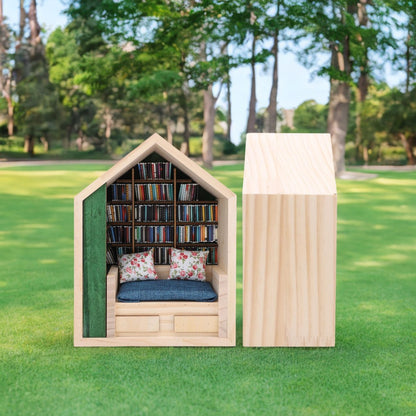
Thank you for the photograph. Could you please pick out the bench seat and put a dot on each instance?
(166, 290)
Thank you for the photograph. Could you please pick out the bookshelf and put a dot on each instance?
(156, 205)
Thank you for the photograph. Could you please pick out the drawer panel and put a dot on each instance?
(137, 324)
(196, 324)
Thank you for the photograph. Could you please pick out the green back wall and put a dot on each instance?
(94, 264)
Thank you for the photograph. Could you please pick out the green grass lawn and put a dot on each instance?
(371, 371)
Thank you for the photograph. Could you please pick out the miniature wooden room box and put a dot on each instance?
(289, 241)
(153, 200)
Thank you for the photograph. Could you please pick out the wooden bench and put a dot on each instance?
(169, 323)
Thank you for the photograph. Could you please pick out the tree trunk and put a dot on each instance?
(408, 147)
(229, 118)
(66, 139)
(34, 24)
(5, 72)
(251, 122)
(363, 80)
(10, 117)
(45, 143)
(365, 155)
(209, 121)
(271, 120)
(108, 120)
(186, 128)
(22, 21)
(80, 140)
(29, 146)
(408, 61)
(169, 135)
(339, 102)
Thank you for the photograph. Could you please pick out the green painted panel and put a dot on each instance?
(94, 264)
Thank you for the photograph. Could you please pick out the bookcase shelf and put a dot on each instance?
(129, 187)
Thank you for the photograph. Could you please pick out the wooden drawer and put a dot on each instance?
(127, 324)
(196, 324)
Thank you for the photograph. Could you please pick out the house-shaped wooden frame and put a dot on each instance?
(289, 241)
(99, 320)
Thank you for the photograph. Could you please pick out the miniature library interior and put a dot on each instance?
(170, 210)
(158, 211)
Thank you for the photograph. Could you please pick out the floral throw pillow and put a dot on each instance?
(137, 266)
(188, 265)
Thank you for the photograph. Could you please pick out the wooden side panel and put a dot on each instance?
(289, 270)
(111, 300)
(195, 324)
(94, 264)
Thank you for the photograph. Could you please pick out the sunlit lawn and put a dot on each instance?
(371, 371)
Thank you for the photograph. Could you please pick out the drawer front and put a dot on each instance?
(196, 324)
(127, 324)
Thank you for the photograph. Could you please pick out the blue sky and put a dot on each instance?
(295, 82)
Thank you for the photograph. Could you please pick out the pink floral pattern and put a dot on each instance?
(137, 266)
(188, 265)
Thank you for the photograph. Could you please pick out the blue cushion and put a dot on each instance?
(166, 290)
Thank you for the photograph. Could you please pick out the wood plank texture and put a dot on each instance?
(297, 164)
(289, 245)
(94, 265)
(112, 284)
(134, 324)
(196, 324)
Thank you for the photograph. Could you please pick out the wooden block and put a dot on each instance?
(289, 242)
(135, 324)
(192, 324)
(112, 278)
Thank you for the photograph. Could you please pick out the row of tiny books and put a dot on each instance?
(192, 213)
(161, 254)
(145, 213)
(188, 192)
(163, 234)
(196, 233)
(155, 170)
(153, 192)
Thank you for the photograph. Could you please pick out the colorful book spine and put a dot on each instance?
(118, 213)
(159, 213)
(120, 192)
(119, 234)
(188, 192)
(196, 233)
(154, 192)
(197, 213)
(154, 234)
(155, 170)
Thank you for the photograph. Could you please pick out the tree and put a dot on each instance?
(333, 26)
(38, 102)
(6, 70)
(310, 117)
(79, 109)
(276, 24)
(400, 113)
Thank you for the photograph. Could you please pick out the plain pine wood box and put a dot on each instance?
(289, 241)
(99, 320)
